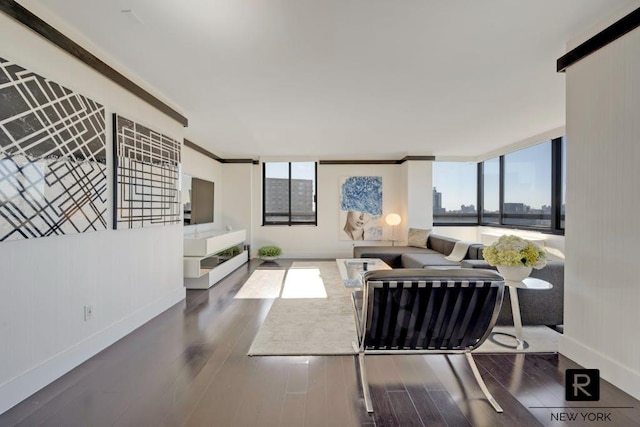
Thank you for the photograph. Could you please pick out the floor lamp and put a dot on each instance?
(393, 219)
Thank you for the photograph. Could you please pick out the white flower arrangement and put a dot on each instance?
(514, 251)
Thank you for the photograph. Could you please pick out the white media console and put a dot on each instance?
(203, 264)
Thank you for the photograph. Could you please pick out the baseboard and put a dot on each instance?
(619, 375)
(24, 385)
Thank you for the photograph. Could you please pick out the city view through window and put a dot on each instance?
(527, 190)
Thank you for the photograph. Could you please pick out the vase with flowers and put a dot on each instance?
(514, 257)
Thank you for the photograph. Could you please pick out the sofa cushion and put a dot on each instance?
(442, 244)
(475, 251)
(418, 237)
(389, 254)
(426, 260)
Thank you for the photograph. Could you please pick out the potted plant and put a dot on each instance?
(514, 257)
(269, 253)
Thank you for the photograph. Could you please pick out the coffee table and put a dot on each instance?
(351, 269)
(528, 283)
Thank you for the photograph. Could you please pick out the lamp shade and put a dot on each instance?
(393, 219)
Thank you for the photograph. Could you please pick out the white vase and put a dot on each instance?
(514, 274)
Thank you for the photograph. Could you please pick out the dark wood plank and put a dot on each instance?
(417, 378)
(262, 404)
(338, 397)
(316, 410)
(456, 376)
(383, 412)
(293, 409)
(404, 409)
(517, 414)
(351, 379)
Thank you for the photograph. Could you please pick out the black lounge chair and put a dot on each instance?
(405, 311)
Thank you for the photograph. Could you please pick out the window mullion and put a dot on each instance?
(556, 183)
(290, 219)
(480, 202)
(501, 192)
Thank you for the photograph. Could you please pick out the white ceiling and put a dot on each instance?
(346, 79)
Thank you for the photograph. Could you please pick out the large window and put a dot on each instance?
(455, 193)
(289, 193)
(527, 187)
(522, 189)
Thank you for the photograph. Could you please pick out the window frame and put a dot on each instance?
(290, 222)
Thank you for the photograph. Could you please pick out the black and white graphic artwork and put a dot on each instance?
(52, 158)
(147, 176)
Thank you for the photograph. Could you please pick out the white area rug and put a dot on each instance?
(313, 315)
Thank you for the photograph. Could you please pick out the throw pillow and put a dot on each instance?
(418, 237)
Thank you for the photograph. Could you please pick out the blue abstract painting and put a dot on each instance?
(361, 208)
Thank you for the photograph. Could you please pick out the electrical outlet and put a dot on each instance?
(88, 312)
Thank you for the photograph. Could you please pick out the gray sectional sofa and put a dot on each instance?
(433, 255)
(537, 307)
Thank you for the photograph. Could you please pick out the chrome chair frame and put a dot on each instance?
(426, 311)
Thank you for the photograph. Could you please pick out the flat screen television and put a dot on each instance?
(197, 200)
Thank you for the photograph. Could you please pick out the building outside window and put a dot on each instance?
(289, 193)
(527, 187)
(455, 193)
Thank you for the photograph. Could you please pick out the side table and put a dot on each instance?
(528, 283)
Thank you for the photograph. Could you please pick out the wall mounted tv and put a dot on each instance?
(197, 200)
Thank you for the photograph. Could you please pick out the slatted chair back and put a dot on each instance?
(426, 311)
(429, 310)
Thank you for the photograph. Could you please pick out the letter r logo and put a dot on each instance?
(582, 385)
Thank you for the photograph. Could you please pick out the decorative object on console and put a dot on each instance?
(514, 257)
(418, 237)
(53, 154)
(393, 219)
(361, 208)
(269, 253)
(146, 172)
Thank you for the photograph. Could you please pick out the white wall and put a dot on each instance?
(461, 233)
(128, 276)
(602, 287)
(238, 196)
(418, 187)
(303, 241)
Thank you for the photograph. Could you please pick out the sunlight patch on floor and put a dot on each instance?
(303, 283)
(262, 284)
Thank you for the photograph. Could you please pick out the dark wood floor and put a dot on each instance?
(188, 367)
